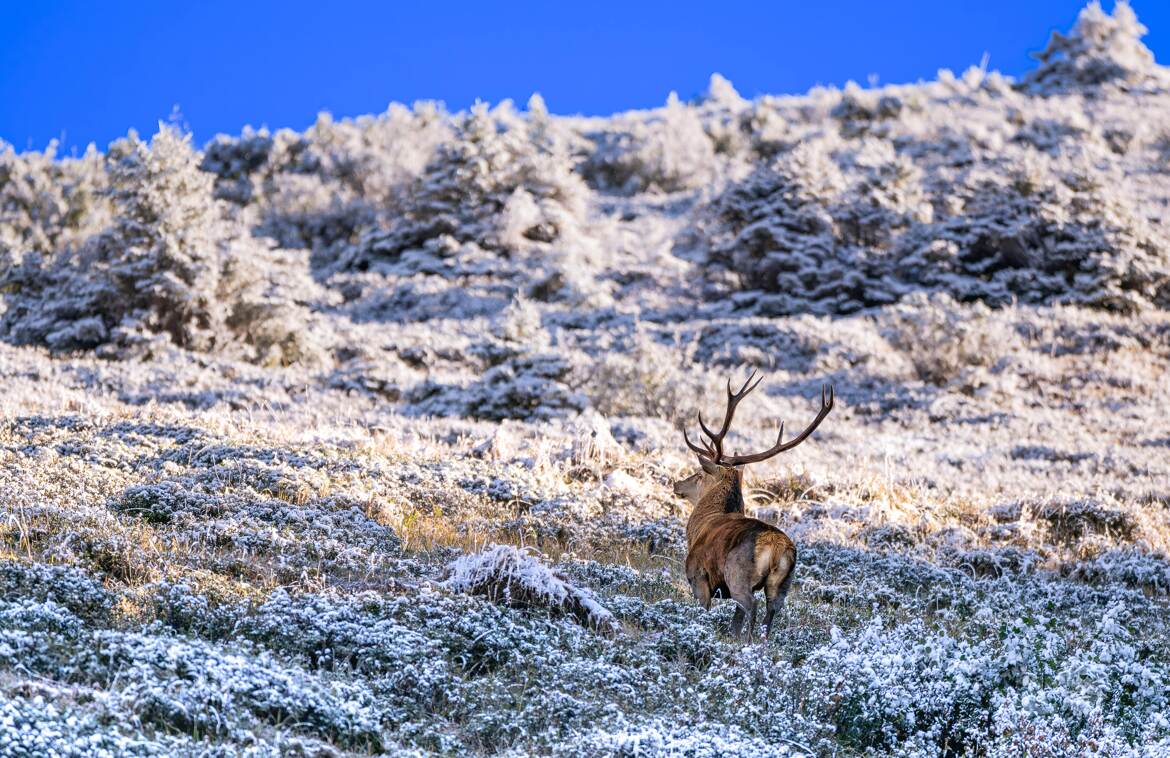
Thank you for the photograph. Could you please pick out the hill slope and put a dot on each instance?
(269, 405)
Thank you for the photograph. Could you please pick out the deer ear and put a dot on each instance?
(708, 465)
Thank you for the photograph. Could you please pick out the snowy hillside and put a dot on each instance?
(361, 439)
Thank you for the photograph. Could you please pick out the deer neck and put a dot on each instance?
(724, 498)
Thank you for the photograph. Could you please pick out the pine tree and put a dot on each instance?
(1101, 50)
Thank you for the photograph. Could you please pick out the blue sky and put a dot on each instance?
(88, 71)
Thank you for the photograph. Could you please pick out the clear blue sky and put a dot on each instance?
(88, 71)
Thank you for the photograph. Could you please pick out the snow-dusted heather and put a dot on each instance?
(359, 440)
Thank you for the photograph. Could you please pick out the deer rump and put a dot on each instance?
(707, 557)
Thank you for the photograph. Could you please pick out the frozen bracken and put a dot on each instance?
(359, 440)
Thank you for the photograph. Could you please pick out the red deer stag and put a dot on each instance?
(727, 552)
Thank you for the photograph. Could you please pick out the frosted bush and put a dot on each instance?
(775, 231)
(67, 587)
(1071, 519)
(201, 689)
(722, 112)
(33, 726)
(1127, 566)
(506, 575)
(647, 378)
(521, 323)
(169, 266)
(323, 187)
(828, 241)
(943, 339)
(271, 295)
(233, 161)
(527, 386)
(374, 156)
(661, 738)
(668, 153)
(861, 112)
(887, 198)
(1046, 232)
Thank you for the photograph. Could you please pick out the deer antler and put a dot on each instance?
(781, 446)
(713, 449)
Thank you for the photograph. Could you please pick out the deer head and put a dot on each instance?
(717, 466)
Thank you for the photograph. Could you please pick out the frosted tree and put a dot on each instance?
(1046, 231)
(48, 204)
(725, 117)
(502, 183)
(172, 264)
(1101, 49)
(165, 249)
(776, 232)
(154, 269)
(322, 188)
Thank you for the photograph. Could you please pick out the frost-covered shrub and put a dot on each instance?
(942, 339)
(1101, 50)
(374, 156)
(160, 503)
(520, 323)
(1046, 232)
(506, 575)
(169, 265)
(198, 688)
(263, 511)
(233, 160)
(1126, 566)
(646, 379)
(661, 737)
(37, 636)
(860, 110)
(775, 231)
(67, 587)
(334, 633)
(723, 112)
(163, 250)
(272, 296)
(1071, 519)
(668, 152)
(528, 386)
(887, 196)
(47, 204)
(911, 686)
(323, 187)
(35, 726)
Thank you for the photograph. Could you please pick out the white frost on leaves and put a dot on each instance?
(512, 576)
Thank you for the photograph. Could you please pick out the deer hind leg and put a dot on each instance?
(747, 608)
(739, 573)
(737, 621)
(776, 589)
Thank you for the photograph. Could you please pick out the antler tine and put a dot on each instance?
(781, 446)
(733, 399)
(706, 452)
